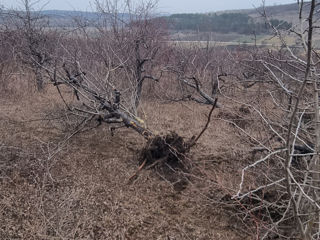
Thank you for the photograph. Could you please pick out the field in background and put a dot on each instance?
(285, 12)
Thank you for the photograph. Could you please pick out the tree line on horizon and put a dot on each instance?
(223, 23)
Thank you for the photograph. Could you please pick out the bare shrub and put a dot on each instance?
(285, 194)
(30, 38)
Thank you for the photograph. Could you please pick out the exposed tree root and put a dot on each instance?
(167, 155)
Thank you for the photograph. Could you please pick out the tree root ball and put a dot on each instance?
(167, 154)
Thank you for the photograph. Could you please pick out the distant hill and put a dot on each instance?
(233, 22)
(240, 21)
(284, 12)
(243, 21)
(66, 18)
(65, 13)
(273, 10)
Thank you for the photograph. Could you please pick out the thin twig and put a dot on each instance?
(206, 126)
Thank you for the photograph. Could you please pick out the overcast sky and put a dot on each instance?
(168, 6)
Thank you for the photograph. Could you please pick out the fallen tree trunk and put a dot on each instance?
(167, 152)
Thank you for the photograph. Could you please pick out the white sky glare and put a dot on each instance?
(164, 6)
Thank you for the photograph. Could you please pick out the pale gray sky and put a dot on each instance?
(168, 6)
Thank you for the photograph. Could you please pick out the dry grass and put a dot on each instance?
(82, 190)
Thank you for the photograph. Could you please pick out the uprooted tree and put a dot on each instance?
(106, 65)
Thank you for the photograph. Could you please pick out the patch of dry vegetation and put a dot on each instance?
(107, 148)
(80, 190)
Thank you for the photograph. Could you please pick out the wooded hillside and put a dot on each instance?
(224, 23)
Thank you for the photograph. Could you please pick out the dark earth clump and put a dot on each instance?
(167, 155)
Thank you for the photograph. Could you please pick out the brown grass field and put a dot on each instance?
(81, 190)
(69, 170)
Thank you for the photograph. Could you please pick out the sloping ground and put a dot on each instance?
(286, 12)
(78, 189)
